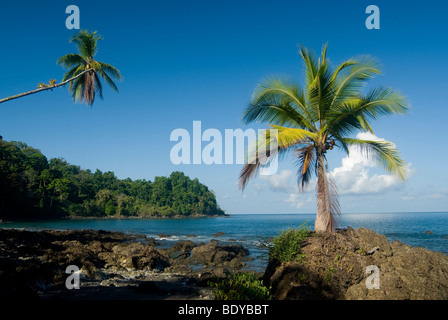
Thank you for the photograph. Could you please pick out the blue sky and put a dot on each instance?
(200, 60)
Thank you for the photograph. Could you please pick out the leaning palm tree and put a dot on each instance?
(83, 73)
(83, 64)
(325, 113)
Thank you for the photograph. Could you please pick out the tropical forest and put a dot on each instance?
(33, 187)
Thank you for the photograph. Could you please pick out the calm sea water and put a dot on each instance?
(254, 230)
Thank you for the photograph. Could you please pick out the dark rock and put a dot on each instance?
(218, 234)
(235, 263)
(180, 250)
(90, 272)
(216, 275)
(183, 246)
(151, 241)
(178, 255)
(163, 235)
(216, 254)
(428, 232)
(206, 279)
(221, 272)
(137, 255)
(335, 268)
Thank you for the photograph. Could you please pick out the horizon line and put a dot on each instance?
(386, 212)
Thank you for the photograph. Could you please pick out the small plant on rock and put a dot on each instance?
(241, 286)
(287, 246)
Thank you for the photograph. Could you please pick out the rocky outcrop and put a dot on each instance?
(335, 268)
(135, 255)
(180, 250)
(216, 254)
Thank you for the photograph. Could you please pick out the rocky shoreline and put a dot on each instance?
(113, 265)
(120, 266)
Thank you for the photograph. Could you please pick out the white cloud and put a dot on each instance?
(295, 201)
(429, 194)
(285, 182)
(354, 176)
(436, 196)
(282, 181)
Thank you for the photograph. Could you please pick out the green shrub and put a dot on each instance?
(76, 209)
(241, 286)
(286, 246)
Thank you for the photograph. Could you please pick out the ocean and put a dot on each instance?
(253, 231)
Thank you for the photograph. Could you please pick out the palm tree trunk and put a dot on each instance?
(324, 217)
(44, 88)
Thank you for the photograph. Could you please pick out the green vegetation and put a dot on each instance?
(241, 286)
(32, 187)
(286, 247)
(324, 112)
(329, 273)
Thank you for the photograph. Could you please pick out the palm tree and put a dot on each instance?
(83, 73)
(88, 70)
(325, 113)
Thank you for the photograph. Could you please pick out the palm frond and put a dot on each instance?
(263, 150)
(71, 73)
(351, 80)
(110, 70)
(86, 42)
(320, 92)
(71, 59)
(98, 86)
(355, 114)
(75, 71)
(108, 79)
(279, 102)
(311, 64)
(306, 160)
(342, 67)
(384, 153)
(383, 102)
(288, 137)
(77, 89)
(318, 79)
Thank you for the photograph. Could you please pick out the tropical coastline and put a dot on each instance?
(123, 265)
(145, 160)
